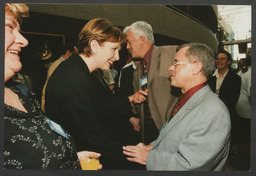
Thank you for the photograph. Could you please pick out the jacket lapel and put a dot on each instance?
(154, 64)
(182, 113)
(178, 117)
(226, 83)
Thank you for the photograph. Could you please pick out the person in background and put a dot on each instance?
(124, 84)
(243, 105)
(125, 88)
(109, 79)
(71, 98)
(154, 75)
(114, 72)
(30, 142)
(197, 135)
(109, 76)
(66, 52)
(241, 66)
(240, 154)
(226, 84)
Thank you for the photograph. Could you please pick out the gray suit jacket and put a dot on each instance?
(160, 99)
(197, 137)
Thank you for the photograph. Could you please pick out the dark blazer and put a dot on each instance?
(115, 112)
(229, 90)
(72, 101)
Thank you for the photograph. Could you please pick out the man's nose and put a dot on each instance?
(171, 68)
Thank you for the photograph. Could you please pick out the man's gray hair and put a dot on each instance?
(201, 53)
(141, 28)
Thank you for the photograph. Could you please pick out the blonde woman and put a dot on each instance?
(30, 139)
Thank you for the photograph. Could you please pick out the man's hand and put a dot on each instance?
(139, 96)
(148, 147)
(135, 123)
(111, 87)
(138, 153)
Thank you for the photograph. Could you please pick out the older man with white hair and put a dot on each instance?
(153, 75)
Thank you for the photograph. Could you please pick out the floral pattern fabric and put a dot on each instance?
(29, 142)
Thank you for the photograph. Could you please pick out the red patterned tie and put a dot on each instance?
(175, 110)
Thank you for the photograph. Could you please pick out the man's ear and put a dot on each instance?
(229, 62)
(197, 67)
(94, 46)
(142, 39)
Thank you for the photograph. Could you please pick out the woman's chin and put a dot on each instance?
(105, 68)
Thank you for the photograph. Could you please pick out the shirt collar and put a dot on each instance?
(148, 55)
(216, 73)
(185, 97)
(129, 64)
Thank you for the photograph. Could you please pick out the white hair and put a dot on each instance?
(141, 28)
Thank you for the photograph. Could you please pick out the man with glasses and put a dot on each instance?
(197, 134)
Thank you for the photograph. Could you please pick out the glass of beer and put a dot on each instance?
(90, 163)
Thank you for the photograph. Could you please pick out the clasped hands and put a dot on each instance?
(138, 153)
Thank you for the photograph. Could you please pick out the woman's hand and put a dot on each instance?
(88, 154)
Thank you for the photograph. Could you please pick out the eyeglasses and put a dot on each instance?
(175, 63)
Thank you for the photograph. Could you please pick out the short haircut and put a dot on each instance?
(242, 59)
(18, 11)
(227, 54)
(141, 28)
(99, 29)
(201, 53)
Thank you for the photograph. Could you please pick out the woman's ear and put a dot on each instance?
(94, 46)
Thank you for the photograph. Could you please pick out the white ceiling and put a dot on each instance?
(235, 19)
